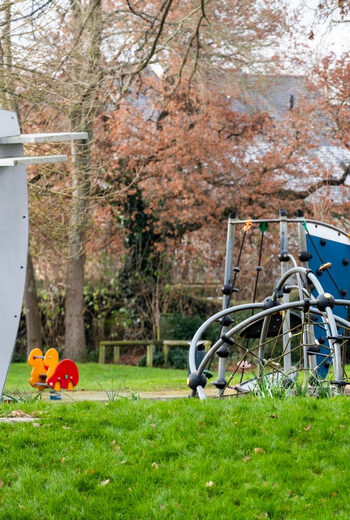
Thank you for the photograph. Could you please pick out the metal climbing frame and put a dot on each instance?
(288, 338)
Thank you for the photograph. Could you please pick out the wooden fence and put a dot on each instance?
(150, 347)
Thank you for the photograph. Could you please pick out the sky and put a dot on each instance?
(329, 35)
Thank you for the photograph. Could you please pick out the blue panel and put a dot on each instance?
(335, 248)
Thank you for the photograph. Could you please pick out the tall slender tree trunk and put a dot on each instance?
(33, 319)
(87, 79)
(75, 342)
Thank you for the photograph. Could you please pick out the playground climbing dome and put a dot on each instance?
(296, 336)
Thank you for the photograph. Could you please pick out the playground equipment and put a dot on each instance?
(290, 340)
(14, 224)
(49, 372)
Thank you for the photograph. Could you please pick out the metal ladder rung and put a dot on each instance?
(25, 161)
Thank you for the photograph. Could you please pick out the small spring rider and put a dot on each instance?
(49, 372)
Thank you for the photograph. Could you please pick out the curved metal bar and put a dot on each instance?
(331, 325)
(292, 220)
(341, 321)
(209, 321)
(305, 291)
(288, 274)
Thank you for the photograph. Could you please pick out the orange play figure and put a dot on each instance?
(48, 372)
(51, 361)
(38, 374)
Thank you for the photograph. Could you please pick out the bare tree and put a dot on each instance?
(73, 58)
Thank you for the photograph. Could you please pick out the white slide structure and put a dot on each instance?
(14, 225)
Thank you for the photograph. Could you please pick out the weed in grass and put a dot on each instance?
(271, 385)
(112, 390)
(320, 389)
(300, 390)
(23, 395)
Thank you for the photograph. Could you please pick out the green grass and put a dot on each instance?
(94, 376)
(236, 459)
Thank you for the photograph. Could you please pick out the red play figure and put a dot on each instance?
(66, 375)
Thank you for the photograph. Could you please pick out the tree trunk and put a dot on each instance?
(87, 82)
(75, 343)
(33, 319)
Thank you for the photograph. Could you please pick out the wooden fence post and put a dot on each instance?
(166, 349)
(101, 353)
(116, 354)
(149, 356)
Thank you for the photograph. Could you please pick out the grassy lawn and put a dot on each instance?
(94, 376)
(235, 459)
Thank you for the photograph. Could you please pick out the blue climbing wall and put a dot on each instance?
(328, 245)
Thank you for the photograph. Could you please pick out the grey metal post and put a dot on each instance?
(230, 242)
(287, 358)
(308, 332)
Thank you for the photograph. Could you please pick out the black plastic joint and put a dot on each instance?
(195, 380)
(324, 300)
(269, 302)
(283, 256)
(339, 383)
(223, 351)
(200, 346)
(313, 349)
(286, 289)
(278, 292)
(219, 383)
(227, 289)
(227, 340)
(226, 321)
(304, 256)
(306, 304)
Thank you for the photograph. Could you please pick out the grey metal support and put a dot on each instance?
(287, 358)
(302, 237)
(263, 336)
(330, 322)
(309, 336)
(230, 242)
